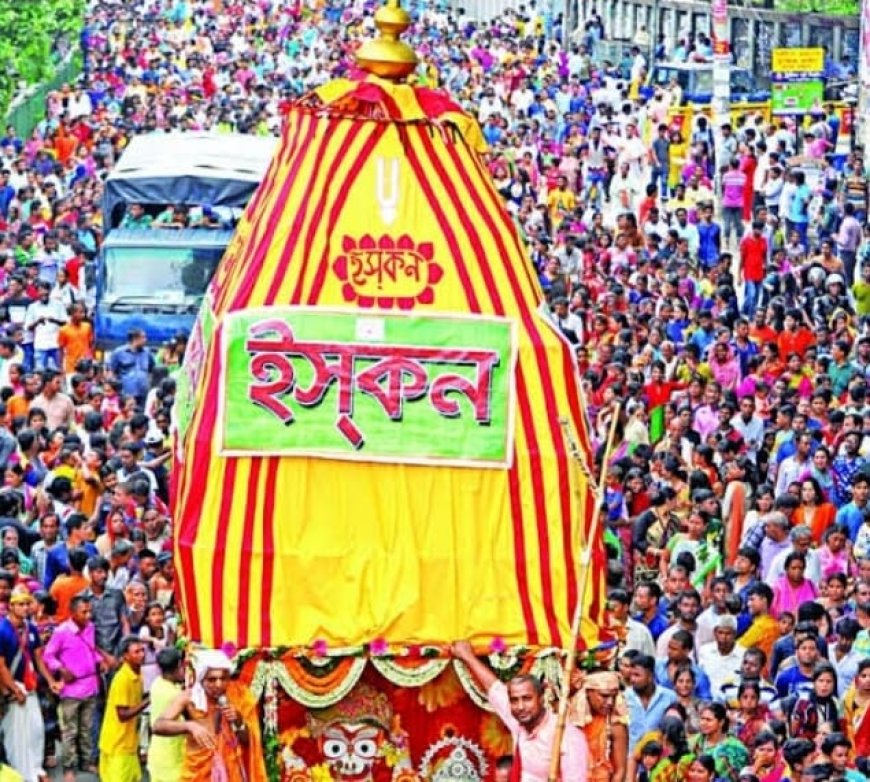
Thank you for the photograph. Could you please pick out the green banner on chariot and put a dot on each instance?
(351, 385)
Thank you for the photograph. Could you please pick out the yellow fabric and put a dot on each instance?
(121, 738)
(120, 768)
(407, 553)
(165, 753)
(8, 774)
(411, 110)
(763, 633)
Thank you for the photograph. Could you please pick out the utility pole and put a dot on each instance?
(721, 103)
(654, 32)
(863, 132)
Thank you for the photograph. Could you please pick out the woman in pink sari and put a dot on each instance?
(748, 164)
(792, 588)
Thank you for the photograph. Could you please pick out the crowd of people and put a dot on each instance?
(715, 286)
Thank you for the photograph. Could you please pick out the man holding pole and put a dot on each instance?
(520, 706)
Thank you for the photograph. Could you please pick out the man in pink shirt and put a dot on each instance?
(73, 656)
(733, 183)
(520, 706)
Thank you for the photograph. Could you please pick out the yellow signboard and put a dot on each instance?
(806, 60)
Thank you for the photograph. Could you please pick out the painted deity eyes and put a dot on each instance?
(365, 748)
(334, 748)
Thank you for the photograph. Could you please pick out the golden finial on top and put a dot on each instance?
(386, 56)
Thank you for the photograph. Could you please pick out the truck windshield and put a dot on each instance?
(171, 275)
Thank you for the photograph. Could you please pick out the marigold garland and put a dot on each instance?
(470, 686)
(409, 672)
(322, 680)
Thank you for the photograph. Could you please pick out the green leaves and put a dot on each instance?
(836, 7)
(30, 32)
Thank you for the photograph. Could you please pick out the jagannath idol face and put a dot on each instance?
(351, 749)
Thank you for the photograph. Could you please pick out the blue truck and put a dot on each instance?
(154, 278)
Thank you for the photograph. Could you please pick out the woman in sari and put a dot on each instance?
(684, 686)
(735, 504)
(809, 710)
(597, 709)
(815, 511)
(752, 717)
(834, 556)
(676, 756)
(9, 539)
(728, 752)
(855, 704)
(653, 530)
(699, 542)
(792, 588)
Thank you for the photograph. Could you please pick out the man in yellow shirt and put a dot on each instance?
(764, 630)
(560, 202)
(119, 737)
(166, 753)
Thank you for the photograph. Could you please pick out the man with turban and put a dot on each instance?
(220, 724)
(20, 660)
(598, 710)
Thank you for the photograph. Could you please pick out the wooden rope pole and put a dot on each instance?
(585, 561)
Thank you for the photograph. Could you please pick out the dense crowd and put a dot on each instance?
(715, 282)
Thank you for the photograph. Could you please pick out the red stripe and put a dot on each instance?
(446, 228)
(254, 259)
(199, 457)
(315, 224)
(578, 415)
(335, 213)
(301, 205)
(240, 260)
(522, 393)
(569, 366)
(575, 395)
(597, 570)
(528, 318)
(522, 574)
(256, 216)
(272, 465)
(253, 502)
(539, 492)
(218, 576)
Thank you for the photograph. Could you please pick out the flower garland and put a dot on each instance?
(407, 673)
(303, 689)
(321, 681)
(469, 684)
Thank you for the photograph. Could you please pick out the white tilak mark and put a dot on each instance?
(389, 201)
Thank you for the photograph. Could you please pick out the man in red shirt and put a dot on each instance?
(753, 254)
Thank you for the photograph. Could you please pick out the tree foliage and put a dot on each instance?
(837, 7)
(30, 32)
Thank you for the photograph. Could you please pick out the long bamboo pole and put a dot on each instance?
(585, 561)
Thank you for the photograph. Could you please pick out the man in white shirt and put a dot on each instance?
(792, 467)
(637, 634)
(567, 322)
(750, 426)
(720, 591)
(721, 658)
(43, 320)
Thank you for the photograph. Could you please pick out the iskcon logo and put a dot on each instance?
(389, 273)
